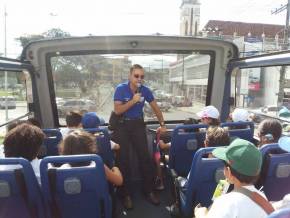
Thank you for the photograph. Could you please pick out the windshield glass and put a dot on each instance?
(87, 82)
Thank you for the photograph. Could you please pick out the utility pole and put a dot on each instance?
(5, 72)
(284, 47)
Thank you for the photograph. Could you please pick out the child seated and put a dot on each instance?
(73, 121)
(216, 136)
(81, 142)
(209, 115)
(243, 163)
(25, 141)
(91, 120)
(269, 131)
(166, 145)
(284, 144)
(239, 115)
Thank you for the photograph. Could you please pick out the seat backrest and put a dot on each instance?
(243, 130)
(76, 191)
(204, 176)
(282, 213)
(20, 194)
(184, 143)
(104, 145)
(276, 180)
(50, 142)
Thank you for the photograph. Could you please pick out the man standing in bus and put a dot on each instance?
(129, 99)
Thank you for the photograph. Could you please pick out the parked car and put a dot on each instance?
(163, 105)
(271, 108)
(84, 105)
(10, 102)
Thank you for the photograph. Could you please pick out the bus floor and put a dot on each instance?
(144, 209)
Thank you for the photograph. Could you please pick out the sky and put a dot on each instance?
(121, 17)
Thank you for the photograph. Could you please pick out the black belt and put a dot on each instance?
(133, 118)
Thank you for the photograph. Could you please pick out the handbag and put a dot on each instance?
(115, 120)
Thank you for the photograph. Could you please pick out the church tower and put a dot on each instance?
(189, 17)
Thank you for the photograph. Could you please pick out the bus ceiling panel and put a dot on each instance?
(126, 44)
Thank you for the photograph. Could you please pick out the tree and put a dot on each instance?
(56, 33)
(24, 40)
(52, 33)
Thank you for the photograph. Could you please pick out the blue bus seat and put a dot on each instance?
(78, 191)
(50, 142)
(184, 143)
(275, 172)
(104, 145)
(20, 194)
(243, 130)
(282, 213)
(204, 176)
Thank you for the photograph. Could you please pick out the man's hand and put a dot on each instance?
(162, 129)
(136, 98)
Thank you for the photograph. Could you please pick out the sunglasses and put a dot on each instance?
(137, 76)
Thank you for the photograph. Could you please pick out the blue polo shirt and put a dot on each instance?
(124, 94)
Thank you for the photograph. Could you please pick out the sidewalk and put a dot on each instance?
(196, 107)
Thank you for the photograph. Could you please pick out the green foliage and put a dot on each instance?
(56, 33)
(24, 40)
(52, 33)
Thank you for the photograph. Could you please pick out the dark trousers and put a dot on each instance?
(131, 134)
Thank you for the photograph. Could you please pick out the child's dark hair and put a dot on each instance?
(34, 121)
(214, 122)
(270, 126)
(190, 121)
(78, 142)
(242, 178)
(73, 119)
(13, 124)
(24, 141)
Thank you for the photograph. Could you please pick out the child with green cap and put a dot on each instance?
(243, 163)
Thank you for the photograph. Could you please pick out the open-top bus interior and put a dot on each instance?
(185, 74)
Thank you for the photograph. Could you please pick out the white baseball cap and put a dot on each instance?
(284, 143)
(240, 114)
(209, 112)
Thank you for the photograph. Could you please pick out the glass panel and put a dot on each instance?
(176, 80)
(14, 96)
(262, 92)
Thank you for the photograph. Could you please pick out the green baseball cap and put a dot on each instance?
(242, 156)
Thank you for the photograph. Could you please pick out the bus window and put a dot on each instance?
(87, 82)
(13, 96)
(257, 90)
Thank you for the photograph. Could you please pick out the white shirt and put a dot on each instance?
(35, 163)
(236, 205)
(65, 131)
(2, 151)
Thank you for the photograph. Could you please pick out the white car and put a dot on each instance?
(10, 102)
(83, 106)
